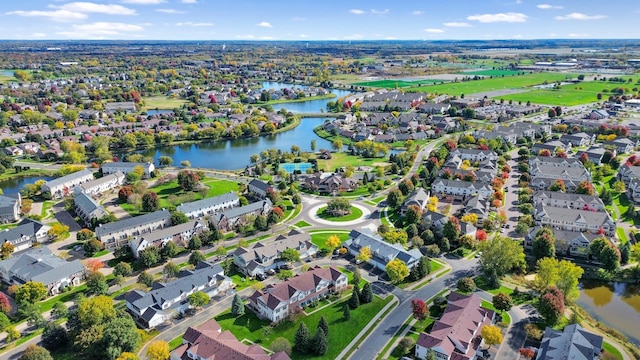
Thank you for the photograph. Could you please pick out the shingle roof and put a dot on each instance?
(123, 164)
(574, 343)
(40, 265)
(70, 177)
(208, 202)
(97, 182)
(132, 222)
(27, 227)
(260, 184)
(89, 206)
(381, 251)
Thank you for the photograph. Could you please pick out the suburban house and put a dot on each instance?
(474, 154)
(554, 161)
(41, 265)
(209, 342)
(209, 206)
(127, 167)
(579, 139)
(117, 233)
(165, 300)
(10, 208)
(259, 188)
(567, 200)
(595, 153)
(552, 146)
(418, 197)
(276, 302)
(179, 234)
(545, 183)
(63, 186)
(573, 343)
(27, 233)
(327, 183)
(262, 257)
(435, 220)
(458, 188)
(574, 220)
(105, 183)
(628, 172)
(556, 172)
(456, 336)
(479, 205)
(381, 251)
(125, 106)
(567, 243)
(229, 219)
(622, 145)
(88, 209)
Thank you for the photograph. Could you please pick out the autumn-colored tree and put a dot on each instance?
(365, 254)
(491, 335)
(585, 187)
(558, 185)
(5, 305)
(158, 350)
(470, 218)
(551, 305)
(6, 250)
(481, 235)
(527, 353)
(93, 265)
(150, 201)
(502, 301)
(396, 270)
(57, 231)
(419, 309)
(332, 242)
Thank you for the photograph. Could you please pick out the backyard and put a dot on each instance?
(161, 102)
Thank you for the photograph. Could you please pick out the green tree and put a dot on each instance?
(169, 250)
(366, 295)
(320, 343)
(6, 250)
(150, 201)
(502, 302)
(149, 256)
(563, 274)
(170, 270)
(544, 244)
(30, 293)
(261, 223)
(396, 270)
(91, 247)
(35, 352)
(198, 299)
(188, 180)
(196, 257)
(97, 283)
(394, 199)
(122, 268)
(54, 336)
(337, 145)
(120, 335)
(178, 218)
(290, 255)
(59, 310)
(466, 285)
(421, 269)
(237, 306)
(354, 300)
(323, 325)
(500, 256)
(285, 274)
(431, 355)
(145, 278)
(281, 344)
(165, 161)
(4, 322)
(346, 313)
(610, 258)
(302, 339)
(194, 243)
(451, 229)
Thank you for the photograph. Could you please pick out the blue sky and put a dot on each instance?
(318, 20)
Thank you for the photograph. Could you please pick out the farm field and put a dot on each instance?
(569, 95)
(493, 72)
(507, 82)
(392, 84)
(161, 102)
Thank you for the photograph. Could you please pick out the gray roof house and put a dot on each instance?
(381, 251)
(117, 233)
(228, 219)
(88, 209)
(179, 234)
(568, 200)
(259, 188)
(105, 183)
(63, 186)
(568, 243)
(262, 256)
(209, 206)
(554, 161)
(40, 265)
(27, 233)
(557, 172)
(419, 197)
(127, 167)
(152, 308)
(10, 207)
(574, 220)
(573, 343)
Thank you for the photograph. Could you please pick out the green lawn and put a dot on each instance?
(356, 213)
(612, 350)
(249, 326)
(492, 72)
(242, 282)
(100, 253)
(175, 343)
(482, 283)
(321, 238)
(392, 84)
(287, 207)
(505, 315)
(302, 223)
(341, 159)
(161, 102)
(46, 206)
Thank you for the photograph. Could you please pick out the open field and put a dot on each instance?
(161, 102)
(492, 72)
(569, 95)
(320, 239)
(344, 159)
(507, 82)
(392, 84)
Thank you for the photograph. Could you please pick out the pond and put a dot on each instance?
(616, 305)
(312, 106)
(159, 112)
(13, 186)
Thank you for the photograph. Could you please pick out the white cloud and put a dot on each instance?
(38, 34)
(266, 38)
(143, 2)
(246, 37)
(264, 24)
(304, 36)
(509, 17)
(171, 11)
(547, 6)
(191, 23)
(353, 37)
(101, 30)
(88, 7)
(580, 16)
(578, 35)
(417, 12)
(56, 15)
(189, 1)
(390, 38)
(298, 19)
(356, 11)
(457, 24)
(379, 12)
(434, 31)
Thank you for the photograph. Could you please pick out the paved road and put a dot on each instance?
(382, 334)
(43, 166)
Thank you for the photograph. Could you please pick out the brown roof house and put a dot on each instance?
(456, 336)
(275, 302)
(209, 342)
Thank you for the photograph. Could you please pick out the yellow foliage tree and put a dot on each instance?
(158, 350)
(470, 218)
(333, 242)
(491, 335)
(127, 356)
(432, 205)
(365, 254)
(466, 164)
(397, 270)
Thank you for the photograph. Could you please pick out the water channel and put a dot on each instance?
(616, 305)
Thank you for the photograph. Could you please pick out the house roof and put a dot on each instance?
(105, 179)
(381, 251)
(89, 206)
(8, 200)
(126, 165)
(294, 240)
(542, 195)
(574, 343)
(260, 184)
(189, 207)
(239, 211)
(169, 231)
(39, 265)
(572, 216)
(26, 227)
(128, 223)
(70, 177)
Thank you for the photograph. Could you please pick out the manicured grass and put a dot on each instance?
(249, 326)
(302, 223)
(100, 253)
(492, 72)
(321, 238)
(483, 283)
(508, 82)
(622, 235)
(506, 318)
(612, 350)
(47, 304)
(392, 84)
(46, 206)
(175, 343)
(341, 159)
(242, 282)
(161, 102)
(287, 207)
(435, 265)
(356, 213)
(219, 186)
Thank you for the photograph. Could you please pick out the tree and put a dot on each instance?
(4, 322)
(396, 270)
(431, 355)
(261, 223)
(491, 335)
(419, 309)
(527, 353)
(290, 255)
(97, 283)
(170, 249)
(285, 274)
(302, 339)
(120, 335)
(500, 256)
(561, 273)
(610, 258)
(178, 218)
(158, 350)
(618, 186)
(196, 257)
(145, 278)
(30, 293)
(237, 306)
(320, 343)
(413, 214)
(354, 300)
(333, 242)
(502, 302)
(54, 336)
(558, 185)
(586, 187)
(6, 250)
(194, 243)
(421, 269)
(5, 305)
(394, 199)
(346, 313)
(59, 310)
(323, 325)
(150, 201)
(127, 356)
(165, 161)
(366, 295)
(170, 270)
(57, 231)
(364, 255)
(451, 229)
(198, 299)
(93, 265)
(551, 305)
(35, 352)
(544, 244)
(149, 256)
(12, 334)
(281, 344)
(337, 145)
(122, 268)
(466, 285)
(188, 180)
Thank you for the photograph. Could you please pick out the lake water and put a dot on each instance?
(13, 186)
(312, 106)
(159, 112)
(6, 72)
(616, 305)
